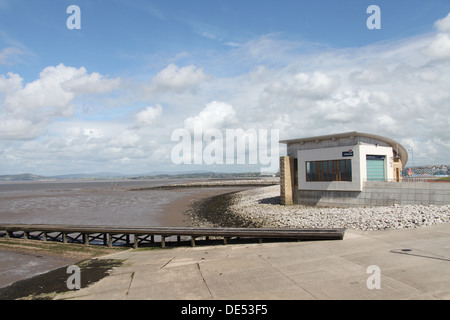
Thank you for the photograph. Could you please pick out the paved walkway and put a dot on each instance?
(413, 264)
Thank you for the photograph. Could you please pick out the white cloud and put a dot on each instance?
(126, 139)
(176, 79)
(19, 129)
(215, 115)
(371, 75)
(91, 134)
(10, 84)
(56, 88)
(83, 83)
(51, 96)
(439, 47)
(443, 25)
(317, 85)
(149, 115)
(297, 91)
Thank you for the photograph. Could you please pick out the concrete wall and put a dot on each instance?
(380, 194)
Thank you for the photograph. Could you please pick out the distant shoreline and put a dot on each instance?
(214, 184)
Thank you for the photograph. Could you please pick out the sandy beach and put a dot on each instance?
(174, 214)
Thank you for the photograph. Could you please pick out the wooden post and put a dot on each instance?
(25, 235)
(64, 237)
(163, 242)
(136, 241)
(86, 239)
(110, 244)
(192, 241)
(8, 234)
(44, 236)
(225, 240)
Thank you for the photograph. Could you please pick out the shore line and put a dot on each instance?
(260, 207)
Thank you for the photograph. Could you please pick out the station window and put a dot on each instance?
(329, 170)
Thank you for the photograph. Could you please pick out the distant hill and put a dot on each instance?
(100, 175)
(22, 177)
(34, 177)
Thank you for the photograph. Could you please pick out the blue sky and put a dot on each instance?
(108, 97)
(126, 36)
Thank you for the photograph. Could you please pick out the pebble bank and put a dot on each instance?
(260, 207)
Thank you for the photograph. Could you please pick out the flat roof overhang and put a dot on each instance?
(401, 151)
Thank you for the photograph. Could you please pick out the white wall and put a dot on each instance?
(359, 170)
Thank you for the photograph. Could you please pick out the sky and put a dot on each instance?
(111, 95)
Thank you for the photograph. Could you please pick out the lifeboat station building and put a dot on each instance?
(340, 169)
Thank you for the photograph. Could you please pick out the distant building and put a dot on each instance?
(337, 166)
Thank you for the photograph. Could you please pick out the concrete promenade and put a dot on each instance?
(413, 264)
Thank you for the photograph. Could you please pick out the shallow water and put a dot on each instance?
(90, 203)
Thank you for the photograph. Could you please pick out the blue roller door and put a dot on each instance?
(375, 168)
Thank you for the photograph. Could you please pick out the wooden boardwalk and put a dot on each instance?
(116, 235)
